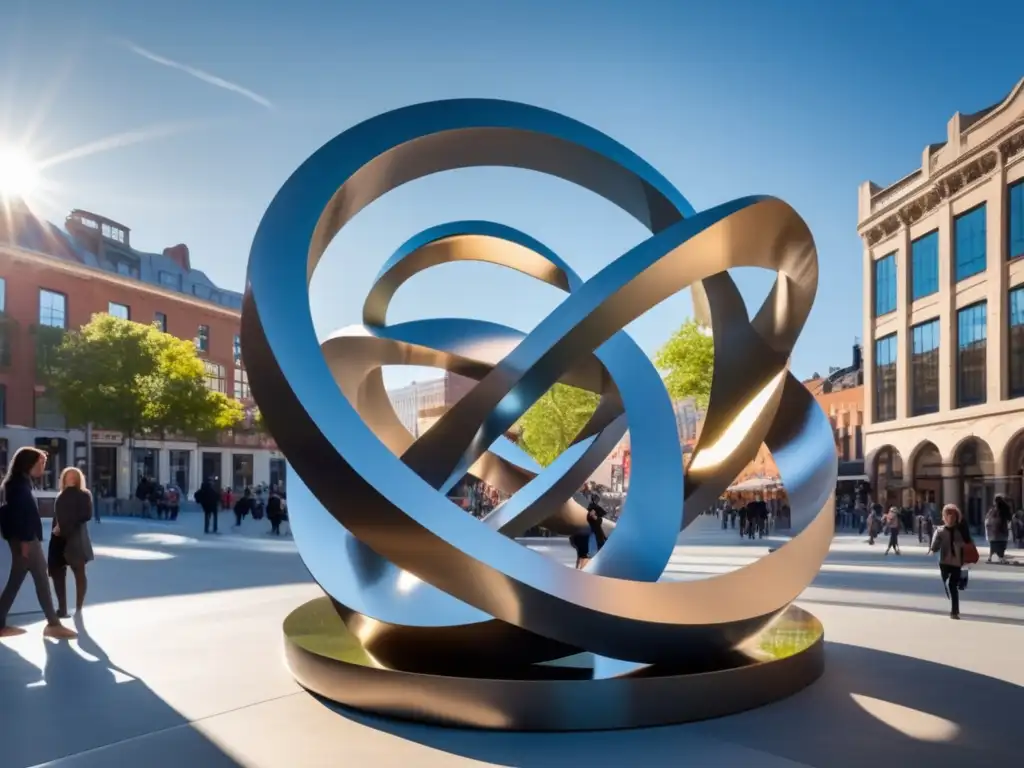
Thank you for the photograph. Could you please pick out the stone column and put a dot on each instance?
(996, 273)
(947, 311)
(868, 347)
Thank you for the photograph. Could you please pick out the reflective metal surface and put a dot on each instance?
(424, 585)
(574, 694)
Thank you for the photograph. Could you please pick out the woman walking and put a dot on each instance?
(22, 528)
(70, 545)
(997, 528)
(892, 524)
(949, 544)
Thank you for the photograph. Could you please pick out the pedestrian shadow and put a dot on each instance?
(870, 708)
(53, 714)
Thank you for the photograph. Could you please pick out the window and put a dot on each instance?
(118, 310)
(924, 265)
(53, 309)
(200, 290)
(241, 471)
(160, 321)
(1016, 342)
(1015, 220)
(3, 295)
(885, 285)
(112, 233)
(885, 378)
(126, 269)
(47, 412)
(972, 346)
(214, 376)
(203, 339)
(170, 280)
(969, 242)
(238, 350)
(181, 462)
(858, 443)
(6, 333)
(3, 409)
(241, 390)
(924, 368)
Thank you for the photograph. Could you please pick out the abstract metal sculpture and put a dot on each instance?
(434, 615)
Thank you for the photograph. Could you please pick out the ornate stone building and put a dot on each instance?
(944, 317)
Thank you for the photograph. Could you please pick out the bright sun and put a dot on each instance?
(19, 176)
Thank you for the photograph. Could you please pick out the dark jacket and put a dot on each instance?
(275, 510)
(72, 510)
(19, 516)
(207, 498)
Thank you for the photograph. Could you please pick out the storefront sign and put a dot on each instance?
(106, 437)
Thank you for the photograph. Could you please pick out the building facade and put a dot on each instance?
(54, 279)
(944, 317)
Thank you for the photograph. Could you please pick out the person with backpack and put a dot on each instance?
(244, 506)
(22, 528)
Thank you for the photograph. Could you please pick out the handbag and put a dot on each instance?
(970, 553)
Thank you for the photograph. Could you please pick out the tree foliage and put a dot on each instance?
(687, 363)
(552, 423)
(136, 379)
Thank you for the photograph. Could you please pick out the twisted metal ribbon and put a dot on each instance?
(427, 588)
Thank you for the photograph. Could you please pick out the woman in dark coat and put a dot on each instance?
(70, 545)
(23, 530)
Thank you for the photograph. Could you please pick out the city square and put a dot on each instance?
(180, 663)
(496, 410)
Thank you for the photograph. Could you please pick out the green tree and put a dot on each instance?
(136, 379)
(687, 362)
(552, 423)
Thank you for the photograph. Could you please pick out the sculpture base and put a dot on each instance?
(574, 694)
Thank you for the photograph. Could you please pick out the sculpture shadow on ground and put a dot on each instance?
(870, 708)
(56, 710)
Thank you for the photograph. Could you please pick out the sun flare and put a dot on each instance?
(19, 175)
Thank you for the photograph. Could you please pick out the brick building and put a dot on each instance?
(54, 277)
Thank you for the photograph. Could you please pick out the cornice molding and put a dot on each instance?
(928, 198)
(944, 188)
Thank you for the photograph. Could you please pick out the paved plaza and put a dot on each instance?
(179, 663)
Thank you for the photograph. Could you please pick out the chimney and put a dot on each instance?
(179, 254)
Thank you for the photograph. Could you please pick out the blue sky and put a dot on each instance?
(799, 99)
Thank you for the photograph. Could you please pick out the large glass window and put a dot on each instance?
(241, 384)
(885, 378)
(241, 471)
(180, 463)
(924, 368)
(972, 346)
(203, 338)
(3, 295)
(47, 412)
(3, 407)
(145, 463)
(969, 242)
(1015, 220)
(1016, 342)
(118, 310)
(53, 309)
(160, 320)
(6, 339)
(885, 285)
(214, 376)
(238, 349)
(924, 265)
(171, 280)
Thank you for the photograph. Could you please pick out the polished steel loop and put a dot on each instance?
(426, 587)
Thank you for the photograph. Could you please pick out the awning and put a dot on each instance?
(754, 484)
(851, 478)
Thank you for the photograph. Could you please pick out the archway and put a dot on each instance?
(976, 470)
(888, 476)
(1015, 469)
(926, 476)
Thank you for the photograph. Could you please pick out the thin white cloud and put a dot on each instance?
(199, 74)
